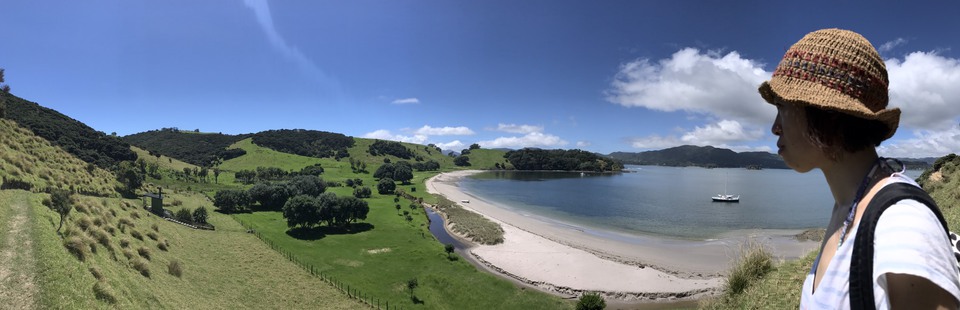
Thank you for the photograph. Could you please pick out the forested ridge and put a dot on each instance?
(200, 149)
(569, 160)
(303, 142)
(71, 135)
(702, 156)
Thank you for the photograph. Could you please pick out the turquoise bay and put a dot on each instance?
(663, 201)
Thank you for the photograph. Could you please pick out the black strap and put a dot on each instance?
(861, 264)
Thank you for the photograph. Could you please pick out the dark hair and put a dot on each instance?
(834, 132)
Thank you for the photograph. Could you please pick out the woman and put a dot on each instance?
(830, 91)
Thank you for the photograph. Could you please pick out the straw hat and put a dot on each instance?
(838, 70)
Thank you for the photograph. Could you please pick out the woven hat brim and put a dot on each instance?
(813, 94)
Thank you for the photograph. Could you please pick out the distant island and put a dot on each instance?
(701, 156)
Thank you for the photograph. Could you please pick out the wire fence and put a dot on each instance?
(352, 292)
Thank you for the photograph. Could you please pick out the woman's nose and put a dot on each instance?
(777, 128)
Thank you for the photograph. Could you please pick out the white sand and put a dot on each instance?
(568, 259)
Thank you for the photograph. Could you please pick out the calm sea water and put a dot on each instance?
(666, 201)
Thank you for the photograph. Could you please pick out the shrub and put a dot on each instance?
(144, 252)
(124, 243)
(84, 222)
(175, 269)
(128, 253)
(111, 230)
(77, 247)
(134, 215)
(103, 292)
(141, 266)
(155, 228)
(92, 244)
(96, 273)
(162, 246)
(98, 221)
(386, 186)
(200, 215)
(153, 235)
(230, 201)
(362, 192)
(101, 236)
(754, 262)
(183, 215)
(126, 222)
(136, 234)
(591, 301)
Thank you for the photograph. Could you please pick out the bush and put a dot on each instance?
(362, 192)
(144, 252)
(155, 228)
(152, 235)
(302, 210)
(134, 215)
(128, 253)
(77, 247)
(386, 186)
(309, 185)
(200, 215)
(84, 222)
(183, 215)
(101, 236)
(124, 243)
(175, 269)
(162, 246)
(141, 266)
(126, 222)
(229, 201)
(103, 292)
(591, 301)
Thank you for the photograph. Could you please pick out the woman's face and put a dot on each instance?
(796, 149)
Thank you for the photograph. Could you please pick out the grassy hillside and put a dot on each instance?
(77, 138)
(195, 148)
(780, 288)
(30, 159)
(111, 253)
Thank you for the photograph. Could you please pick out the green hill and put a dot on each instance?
(77, 138)
(111, 253)
(200, 149)
(702, 156)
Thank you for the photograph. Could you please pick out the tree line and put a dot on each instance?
(381, 147)
(567, 160)
(268, 174)
(203, 150)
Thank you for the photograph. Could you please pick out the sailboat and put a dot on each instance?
(726, 197)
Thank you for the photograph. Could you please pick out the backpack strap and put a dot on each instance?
(861, 263)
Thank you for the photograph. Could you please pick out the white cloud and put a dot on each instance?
(406, 101)
(926, 144)
(722, 132)
(926, 87)
(451, 146)
(691, 81)
(533, 139)
(384, 134)
(521, 129)
(583, 144)
(886, 47)
(426, 130)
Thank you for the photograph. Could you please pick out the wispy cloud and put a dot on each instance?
(444, 131)
(926, 144)
(522, 129)
(384, 134)
(406, 101)
(261, 9)
(886, 47)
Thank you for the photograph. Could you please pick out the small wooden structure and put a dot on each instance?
(156, 200)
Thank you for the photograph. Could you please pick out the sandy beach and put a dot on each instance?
(567, 259)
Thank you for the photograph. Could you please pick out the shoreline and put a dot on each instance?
(567, 260)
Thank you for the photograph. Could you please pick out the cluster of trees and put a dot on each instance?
(462, 161)
(467, 150)
(358, 166)
(203, 150)
(268, 174)
(400, 171)
(131, 177)
(269, 195)
(4, 88)
(306, 211)
(198, 216)
(430, 165)
(394, 148)
(568, 160)
(311, 143)
(69, 134)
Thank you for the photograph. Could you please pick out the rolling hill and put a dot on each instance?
(702, 156)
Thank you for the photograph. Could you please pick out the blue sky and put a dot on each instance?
(600, 76)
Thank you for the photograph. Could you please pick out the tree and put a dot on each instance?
(203, 174)
(62, 202)
(412, 284)
(4, 88)
(462, 160)
(591, 301)
(310, 185)
(384, 171)
(184, 215)
(474, 146)
(398, 209)
(362, 192)
(130, 177)
(354, 209)
(403, 173)
(269, 196)
(216, 175)
(302, 210)
(386, 186)
(448, 248)
(200, 215)
(231, 200)
(329, 205)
